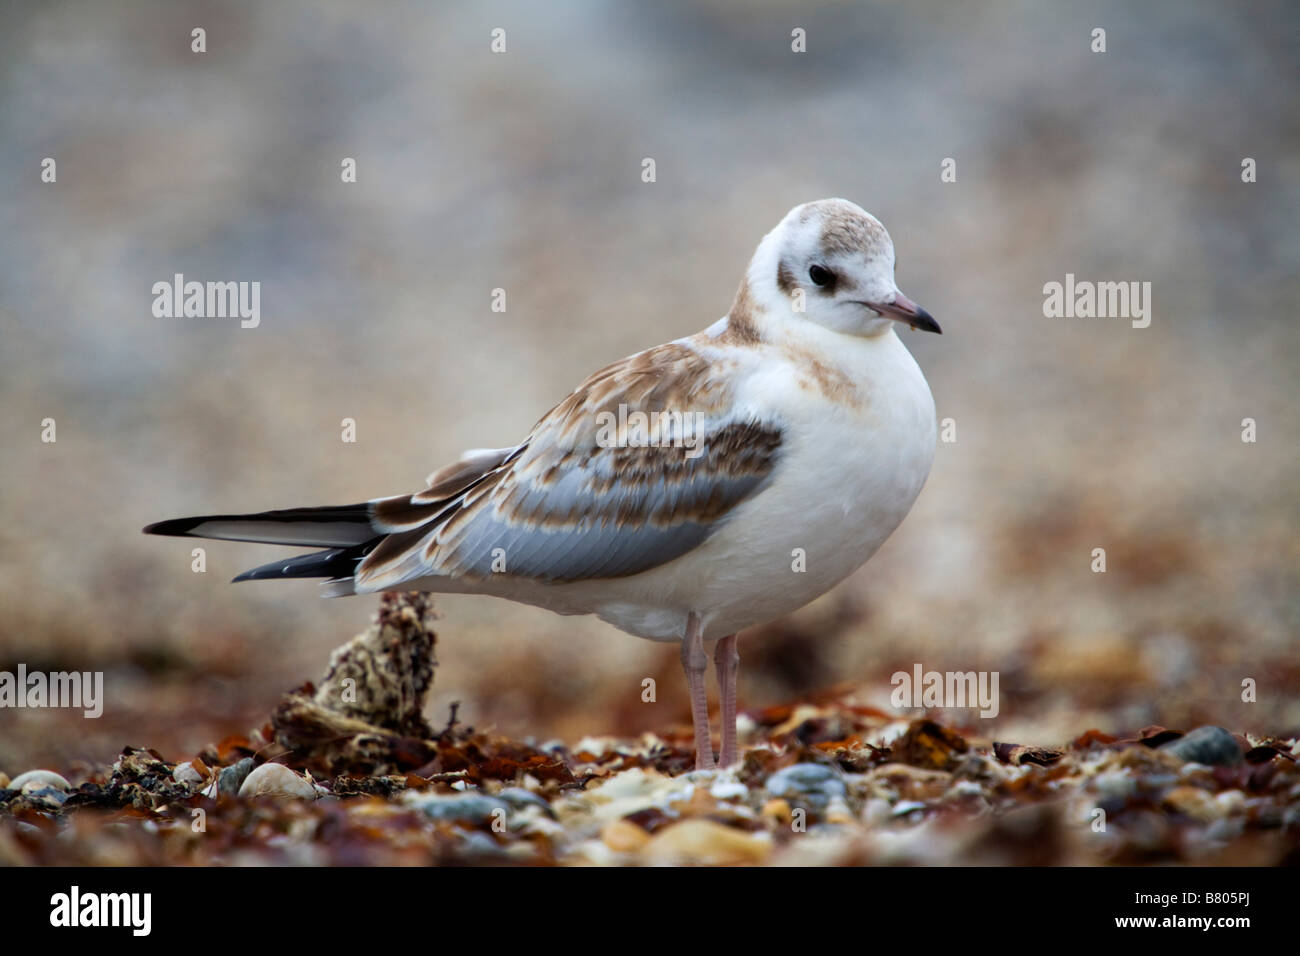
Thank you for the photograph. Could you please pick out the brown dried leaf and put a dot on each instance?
(1017, 754)
(1090, 737)
(929, 745)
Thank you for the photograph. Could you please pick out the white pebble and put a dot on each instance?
(728, 789)
(276, 780)
(38, 780)
(186, 774)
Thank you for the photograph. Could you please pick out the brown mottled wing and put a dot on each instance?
(579, 500)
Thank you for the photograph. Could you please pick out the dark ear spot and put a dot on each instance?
(785, 280)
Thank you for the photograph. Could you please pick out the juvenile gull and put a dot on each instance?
(685, 492)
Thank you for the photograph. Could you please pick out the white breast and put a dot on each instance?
(849, 472)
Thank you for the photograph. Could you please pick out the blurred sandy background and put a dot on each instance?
(522, 171)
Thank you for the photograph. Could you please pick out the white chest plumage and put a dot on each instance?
(858, 441)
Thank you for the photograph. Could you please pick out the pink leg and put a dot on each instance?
(695, 662)
(727, 659)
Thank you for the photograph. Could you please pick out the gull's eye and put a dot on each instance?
(821, 276)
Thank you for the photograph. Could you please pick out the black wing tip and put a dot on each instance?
(264, 572)
(174, 527)
(330, 563)
(182, 527)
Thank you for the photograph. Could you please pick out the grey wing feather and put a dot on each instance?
(569, 504)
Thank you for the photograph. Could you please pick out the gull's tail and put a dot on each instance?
(346, 531)
(349, 532)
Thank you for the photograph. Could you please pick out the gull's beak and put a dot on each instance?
(903, 309)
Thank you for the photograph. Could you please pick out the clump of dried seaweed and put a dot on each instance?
(367, 714)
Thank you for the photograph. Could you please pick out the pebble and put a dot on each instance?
(979, 768)
(1232, 801)
(1115, 785)
(232, 778)
(1225, 830)
(39, 780)
(462, 808)
(1193, 802)
(705, 842)
(777, 810)
(964, 788)
(1212, 746)
(186, 775)
(837, 811)
(810, 785)
(968, 797)
(479, 846)
(1197, 774)
(277, 780)
(876, 811)
(907, 807)
(1264, 814)
(624, 836)
(729, 790)
(517, 798)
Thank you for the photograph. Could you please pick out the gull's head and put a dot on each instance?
(831, 262)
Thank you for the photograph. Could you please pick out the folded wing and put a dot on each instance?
(635, 468)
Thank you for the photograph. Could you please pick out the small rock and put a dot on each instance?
(1197, 775)
(1193, 802)
(186, 775)
(777, 810)
(729, 790)
(837, 811)
(876, 811)
(1232, 801)
(1263, 814)
(1114, 785)
(1225, 830)
(38, 780)
(907, 807)
(1212, 746)
(980, 768)
(462, 808)
(517, 798)
(964, 788)
(705, 842)
(810, 785)
(479, 846)
(624, 836)
(232, 778)
(277, 780)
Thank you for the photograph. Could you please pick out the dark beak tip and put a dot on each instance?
(926, 323)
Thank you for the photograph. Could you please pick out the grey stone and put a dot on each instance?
(810, 785)
(466, 808)
(1211, 746)
(232, 778)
